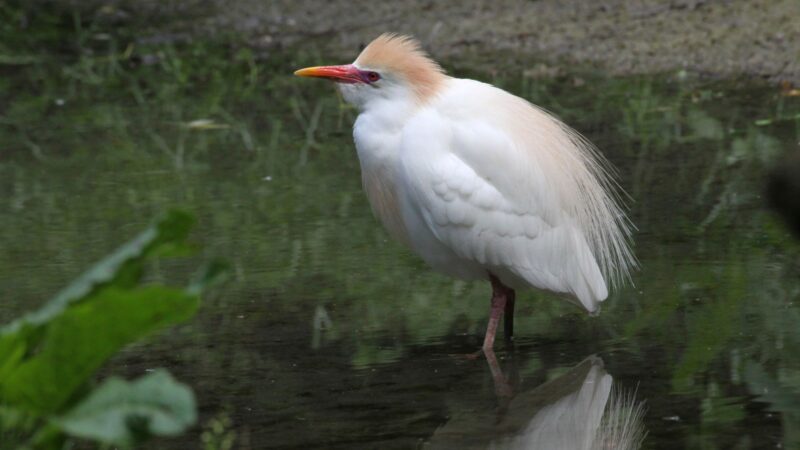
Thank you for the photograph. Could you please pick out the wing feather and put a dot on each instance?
(461, 175)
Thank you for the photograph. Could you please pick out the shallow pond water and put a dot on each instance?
(330, 335)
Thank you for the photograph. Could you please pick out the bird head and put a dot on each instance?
(391, 67)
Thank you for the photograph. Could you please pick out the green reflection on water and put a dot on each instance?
(99, 135)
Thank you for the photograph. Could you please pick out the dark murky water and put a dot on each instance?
(331, 336)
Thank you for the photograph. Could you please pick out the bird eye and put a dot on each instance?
(373, 76)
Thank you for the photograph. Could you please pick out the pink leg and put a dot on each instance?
(499, 298)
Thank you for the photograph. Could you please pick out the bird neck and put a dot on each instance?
(378, 133)
(387, 115)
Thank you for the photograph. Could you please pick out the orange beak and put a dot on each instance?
(347, 73)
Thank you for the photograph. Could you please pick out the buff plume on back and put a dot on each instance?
(582, 180)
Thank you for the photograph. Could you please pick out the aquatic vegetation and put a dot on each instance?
(102, 129)
(48, 358)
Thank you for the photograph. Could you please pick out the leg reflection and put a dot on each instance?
(502, 386)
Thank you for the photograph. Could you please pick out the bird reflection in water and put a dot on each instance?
(579, 410)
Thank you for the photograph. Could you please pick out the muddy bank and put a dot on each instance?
(720, 38)
(757, 38)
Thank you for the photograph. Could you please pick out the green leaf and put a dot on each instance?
(122, 268)
(27, 342)
(125, 413)
(77, 342)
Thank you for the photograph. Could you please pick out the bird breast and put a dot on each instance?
(381, 191)
(376, 143)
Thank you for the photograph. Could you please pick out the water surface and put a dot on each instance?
(330, 335)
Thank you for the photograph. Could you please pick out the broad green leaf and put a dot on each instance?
(124, 413)
(22, 339)
(77, 342)
(123, 267)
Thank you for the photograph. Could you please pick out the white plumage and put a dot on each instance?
(480, 182)
(581, 409)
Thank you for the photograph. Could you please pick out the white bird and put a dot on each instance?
(579, 410)
(481, 183)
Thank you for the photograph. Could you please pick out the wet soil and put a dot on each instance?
(722, 38)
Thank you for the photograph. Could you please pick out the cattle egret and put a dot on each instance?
(481, 183)
(578, 410)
